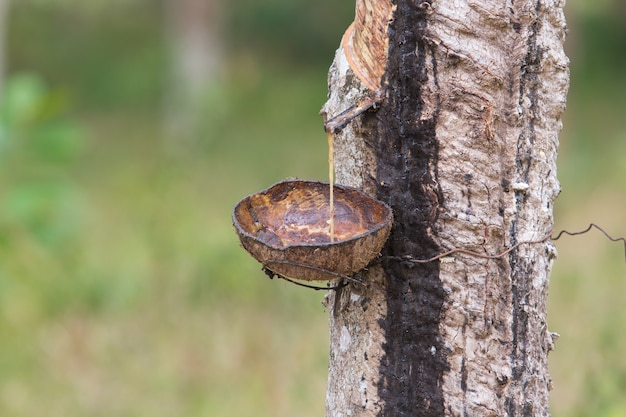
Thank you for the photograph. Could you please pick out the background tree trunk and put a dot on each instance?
(4, 9)
(194, 38)
(463, 148)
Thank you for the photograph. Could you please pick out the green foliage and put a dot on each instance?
(32, 122)
(38, 144)
(40, 206)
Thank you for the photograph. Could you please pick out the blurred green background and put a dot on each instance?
(123, 290)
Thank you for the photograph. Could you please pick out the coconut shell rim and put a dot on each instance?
(379, 226)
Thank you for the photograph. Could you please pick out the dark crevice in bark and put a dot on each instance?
(406, 149)
(520, 267)
(528, 88)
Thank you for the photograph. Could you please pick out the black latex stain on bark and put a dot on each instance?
(521, 269)
(414, 358)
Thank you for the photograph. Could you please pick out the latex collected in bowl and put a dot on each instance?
(286, 228)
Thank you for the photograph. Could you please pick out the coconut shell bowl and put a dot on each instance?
(286, 228)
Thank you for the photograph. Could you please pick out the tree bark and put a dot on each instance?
(463, 147)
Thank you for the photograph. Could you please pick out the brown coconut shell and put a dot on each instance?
(286, 229)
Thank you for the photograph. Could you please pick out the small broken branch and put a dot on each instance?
(337, 123)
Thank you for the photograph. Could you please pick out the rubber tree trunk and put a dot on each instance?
(463, 147)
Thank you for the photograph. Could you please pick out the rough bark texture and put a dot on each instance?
(464, 149)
